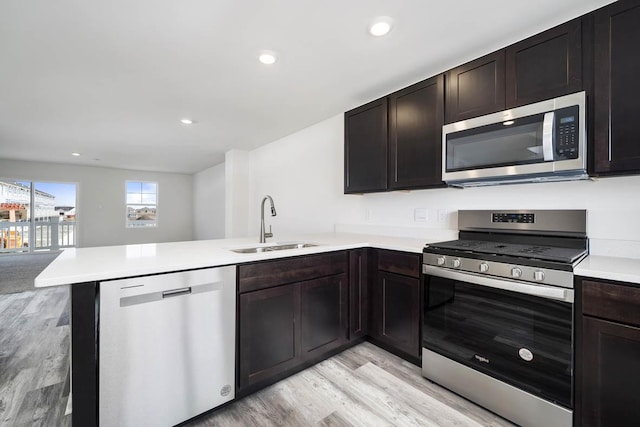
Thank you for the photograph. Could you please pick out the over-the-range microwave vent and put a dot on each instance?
(541, 142)
(555, 177)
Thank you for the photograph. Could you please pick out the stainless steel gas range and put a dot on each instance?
(498, 312)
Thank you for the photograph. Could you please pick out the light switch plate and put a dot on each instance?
(420, 214)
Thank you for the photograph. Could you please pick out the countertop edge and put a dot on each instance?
(68, 269)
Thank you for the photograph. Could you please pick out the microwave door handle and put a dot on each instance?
(547, 136)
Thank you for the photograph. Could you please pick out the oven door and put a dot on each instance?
(515, 332)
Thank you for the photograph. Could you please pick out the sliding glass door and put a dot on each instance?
(37, 216)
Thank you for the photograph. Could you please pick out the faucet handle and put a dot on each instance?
(269, 234)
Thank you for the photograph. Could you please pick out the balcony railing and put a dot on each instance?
(53, 234)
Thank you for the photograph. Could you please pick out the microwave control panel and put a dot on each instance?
(567, 135)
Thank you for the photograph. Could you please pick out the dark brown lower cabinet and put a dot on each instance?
(397, 312)
(323, 315)
(611, 374)
(291, 313)
(269, 342)
(607, 354)
(358, 293)
(295, 312)
(396, 303)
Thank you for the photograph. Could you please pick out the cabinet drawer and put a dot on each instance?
(609, 301)
(403, 263)
(267, 274)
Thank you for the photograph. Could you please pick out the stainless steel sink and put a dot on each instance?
(276, 247)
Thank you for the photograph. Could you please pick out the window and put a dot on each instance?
(37, 216)
(142, 204)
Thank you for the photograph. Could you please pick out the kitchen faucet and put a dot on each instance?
(263, 235)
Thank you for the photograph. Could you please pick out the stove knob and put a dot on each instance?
(440, 260)
(538, 275)
(456, 263)
(483, 267)
(516, 272)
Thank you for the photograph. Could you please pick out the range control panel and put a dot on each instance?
(520, 218)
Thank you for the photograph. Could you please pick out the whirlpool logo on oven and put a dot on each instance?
(480, 358)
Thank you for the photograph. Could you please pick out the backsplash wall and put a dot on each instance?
(304, 174)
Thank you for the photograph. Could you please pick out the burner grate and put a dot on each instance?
(539, 252)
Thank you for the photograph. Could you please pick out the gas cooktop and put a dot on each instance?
(540, 252)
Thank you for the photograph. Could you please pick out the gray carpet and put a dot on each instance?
(17, 271)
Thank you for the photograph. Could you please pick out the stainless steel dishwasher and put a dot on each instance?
(166, 346)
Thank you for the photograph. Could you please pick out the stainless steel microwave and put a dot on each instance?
(545, 141)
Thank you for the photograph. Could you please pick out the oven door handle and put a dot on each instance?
(543, 291)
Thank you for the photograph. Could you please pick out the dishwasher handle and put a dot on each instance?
(176, 292)
(162, 295)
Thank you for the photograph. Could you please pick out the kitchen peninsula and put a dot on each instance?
(326, 283)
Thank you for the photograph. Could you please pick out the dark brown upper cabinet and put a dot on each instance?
(545, 66)
(416, 116)
(540, 67)
(476, 88)
(365, 148)
(616, 91)
(395, 142)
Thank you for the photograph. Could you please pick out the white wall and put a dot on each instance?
(237, 193)
(101, 201)
(304, 174)
(209, 203)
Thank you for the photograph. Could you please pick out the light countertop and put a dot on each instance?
(610, 268)
(79, 265)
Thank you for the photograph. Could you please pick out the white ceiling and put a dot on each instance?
(112, 79)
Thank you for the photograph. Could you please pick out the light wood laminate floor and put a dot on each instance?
(362, 386)
(34, 358)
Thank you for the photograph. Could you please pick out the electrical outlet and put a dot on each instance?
(443, 215)
(420, 215)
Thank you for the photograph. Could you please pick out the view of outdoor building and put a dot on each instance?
(37, 215)
(142, 204)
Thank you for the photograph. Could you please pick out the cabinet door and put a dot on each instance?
(358, 293)
(545, 66)
(610, 374)
(269, 339)
(617, 88)
(398, 312)
(415, 135)
(323, 314)
(365, 148)
(476, 88)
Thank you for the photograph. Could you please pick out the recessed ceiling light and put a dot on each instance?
(508, 123)
(267, 58)
(75, 154)
(186, 121)
(381, 26)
